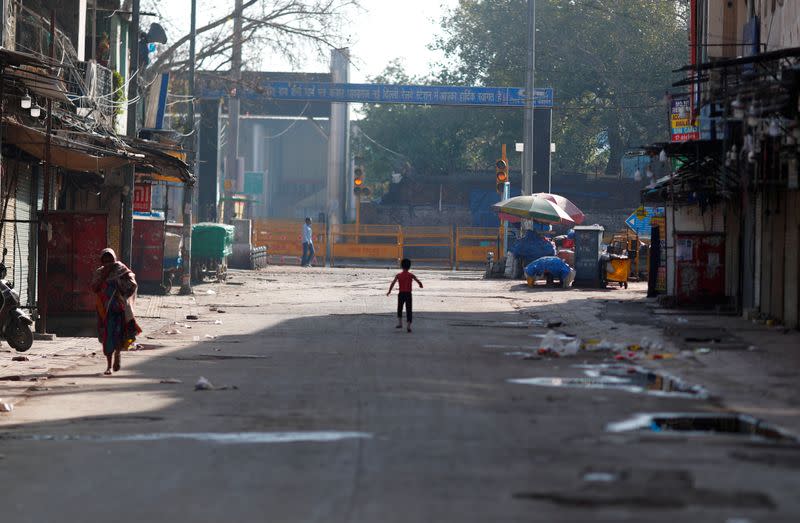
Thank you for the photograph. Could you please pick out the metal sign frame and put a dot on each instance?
(394, 94)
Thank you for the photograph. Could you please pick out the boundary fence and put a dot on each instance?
(283, 240)
(473, 244)
(446, 247)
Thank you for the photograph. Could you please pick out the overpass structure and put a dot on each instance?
(303, 95)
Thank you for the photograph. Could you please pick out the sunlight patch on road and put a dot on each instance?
(204, 437)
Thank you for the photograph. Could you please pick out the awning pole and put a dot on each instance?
(188, 188)
(41, 323)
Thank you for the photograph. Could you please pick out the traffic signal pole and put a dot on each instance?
(358, 217)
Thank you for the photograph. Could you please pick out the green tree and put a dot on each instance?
(609, 62)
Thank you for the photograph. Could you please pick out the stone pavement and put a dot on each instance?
(51, 356)
(749, 366)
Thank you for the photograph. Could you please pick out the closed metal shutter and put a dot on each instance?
(24, 214)
(16, 228)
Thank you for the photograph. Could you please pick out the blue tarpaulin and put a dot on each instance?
(551, 264)
(532, 246)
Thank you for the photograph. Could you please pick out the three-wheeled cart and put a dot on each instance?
(617, 268)
(212, 243)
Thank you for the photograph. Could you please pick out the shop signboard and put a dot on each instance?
(142, 197)
(683, 127)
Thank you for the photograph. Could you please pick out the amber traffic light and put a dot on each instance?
(501, 174)
(358, 182)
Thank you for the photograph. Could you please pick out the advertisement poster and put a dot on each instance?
(682, 127)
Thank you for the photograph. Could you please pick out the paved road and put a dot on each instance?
(325, 412)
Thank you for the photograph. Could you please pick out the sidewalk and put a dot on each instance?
(749, 367)
(47, 357)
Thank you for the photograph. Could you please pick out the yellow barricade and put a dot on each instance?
(473, 244)
(283, 240)
(367, 242)
(432, 245)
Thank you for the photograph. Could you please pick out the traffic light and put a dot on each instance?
(358, 182)
(501, 174)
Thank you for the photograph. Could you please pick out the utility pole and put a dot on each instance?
(527, 132)
(188, 189)
(44, 223)
(231, 165)
(133, 91)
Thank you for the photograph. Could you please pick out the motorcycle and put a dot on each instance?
(15, 325)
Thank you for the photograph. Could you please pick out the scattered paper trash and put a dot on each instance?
(752, 348)
(6, 407)
(682, 320)
(173, 331)
(192, 317)
(599, 477)
(203, 384)
(702, 350)
(20, 358)
(217, 322)
(210, 292)
(171, 381)
(209, 337)
(195, 338)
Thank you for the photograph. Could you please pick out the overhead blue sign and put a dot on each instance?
(639, 221)
(394, 94)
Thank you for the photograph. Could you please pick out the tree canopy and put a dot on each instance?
(609, 62)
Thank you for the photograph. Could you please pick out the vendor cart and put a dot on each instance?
(212, 243)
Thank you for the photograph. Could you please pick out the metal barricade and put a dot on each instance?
(367, 242)
(283, 240)
(429, 245)
(473, 244)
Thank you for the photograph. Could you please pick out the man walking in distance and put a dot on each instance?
(308, 244)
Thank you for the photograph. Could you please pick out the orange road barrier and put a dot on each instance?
(429, 245)
(283, 240)
(473, 244)
(366, 242)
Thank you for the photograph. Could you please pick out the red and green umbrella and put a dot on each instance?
(534, 207)
(567, 206)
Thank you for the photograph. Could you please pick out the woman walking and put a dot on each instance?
(115, 287)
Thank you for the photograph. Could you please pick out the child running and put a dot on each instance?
(404, 296)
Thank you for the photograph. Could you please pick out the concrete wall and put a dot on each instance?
(780, 24)
(293, 155)
(415, 215)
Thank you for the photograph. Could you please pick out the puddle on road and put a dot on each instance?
(704, 423)
(218, 357)
(497, 324)
(622, 377)
(205, 437)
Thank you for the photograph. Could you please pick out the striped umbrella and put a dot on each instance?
(570, 208)
(533, 207)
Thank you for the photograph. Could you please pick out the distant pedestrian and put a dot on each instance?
(114, 285)
(308, 244)
(405, 279)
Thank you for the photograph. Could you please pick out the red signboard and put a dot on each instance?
(142, 197)
(700, 263)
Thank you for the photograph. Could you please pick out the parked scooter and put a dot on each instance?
(15, 325)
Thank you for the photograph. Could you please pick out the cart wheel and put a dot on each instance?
(626, 285)
(166, 285)
(621, 284)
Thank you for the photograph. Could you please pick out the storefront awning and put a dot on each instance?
(159, 164)
(67, 154)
